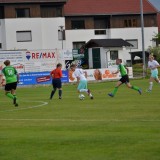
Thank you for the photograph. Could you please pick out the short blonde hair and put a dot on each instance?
(151, 56)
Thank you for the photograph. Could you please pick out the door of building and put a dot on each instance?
(96, 58)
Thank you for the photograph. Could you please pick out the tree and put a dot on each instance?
(157, 37)
(156, 50)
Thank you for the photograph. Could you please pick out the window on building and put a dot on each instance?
(24, 36)
(47, 11)
(0, 45)
(78, 45)
(51, 11)
(100, 32)
(113, 55)
(100, 23)
(22, 12)
(78, 24)
(134, 42)
(59, 12)
(1, 12)
(130, 23)
(134, 23)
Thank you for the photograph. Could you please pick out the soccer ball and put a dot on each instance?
(81, 97)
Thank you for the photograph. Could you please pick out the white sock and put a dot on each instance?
(150, 85)
(90, 95)
(83, 90)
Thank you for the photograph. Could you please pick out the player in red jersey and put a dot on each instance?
(56, 75)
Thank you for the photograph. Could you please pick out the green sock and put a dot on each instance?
(135, 88)
(10, 95)
(15, 97)
(115, 90)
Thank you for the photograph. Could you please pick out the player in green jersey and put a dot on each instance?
(12, 78)
(124, 78)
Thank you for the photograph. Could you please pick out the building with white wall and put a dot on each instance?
(109, 20)
(35, 25)
(31, 25)
(32, 33)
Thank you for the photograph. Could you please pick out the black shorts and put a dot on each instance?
(57, 83)
(124, 79)
(10, 86)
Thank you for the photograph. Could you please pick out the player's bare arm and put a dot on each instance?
(115, 72)
(85, 74)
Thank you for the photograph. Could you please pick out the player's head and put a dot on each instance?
(73, 67)
(118, 61)
(7, 62)
(151, 57)
(59, 65)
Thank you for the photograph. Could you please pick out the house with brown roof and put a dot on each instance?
(156, 4)
(87, 20)
(71, 24)
(31, 24)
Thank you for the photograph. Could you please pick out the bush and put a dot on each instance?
(138, 70)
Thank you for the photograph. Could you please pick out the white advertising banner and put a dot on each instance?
(101, 74)
(42, 60)
(16, 58)
(67, 55)
(35, 60)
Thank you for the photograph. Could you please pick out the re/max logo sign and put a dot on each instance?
(40, 55)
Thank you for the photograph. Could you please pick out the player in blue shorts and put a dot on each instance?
(153, 65)
(81, 75)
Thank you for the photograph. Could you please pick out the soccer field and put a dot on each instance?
(125, 127)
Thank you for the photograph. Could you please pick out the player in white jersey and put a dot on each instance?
(81, 76)
(152, 65)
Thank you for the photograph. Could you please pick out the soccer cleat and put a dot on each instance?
(16, 105)
(91, 97)
(140, 91)
(111, 94)
(148, 90)
(60, 97)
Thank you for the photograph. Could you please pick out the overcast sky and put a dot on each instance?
(156, 4)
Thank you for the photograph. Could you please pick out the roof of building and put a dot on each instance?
(106, 7)
(30, 1)
(106, 43)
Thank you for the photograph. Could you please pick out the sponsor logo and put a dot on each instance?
(40, 55)
(28, 55)
(43, 79)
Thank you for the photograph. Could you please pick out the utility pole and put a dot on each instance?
(142, 29)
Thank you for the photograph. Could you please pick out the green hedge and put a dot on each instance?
(138, 70)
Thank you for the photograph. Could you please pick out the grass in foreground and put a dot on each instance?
(125, 127)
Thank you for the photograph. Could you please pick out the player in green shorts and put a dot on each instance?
(12, 78)
(125, 79)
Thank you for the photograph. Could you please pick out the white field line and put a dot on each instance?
(81, 120)
(31, 107)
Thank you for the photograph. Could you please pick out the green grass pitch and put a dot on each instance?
(126, 127)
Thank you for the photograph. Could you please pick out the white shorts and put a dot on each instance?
(82, 84)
